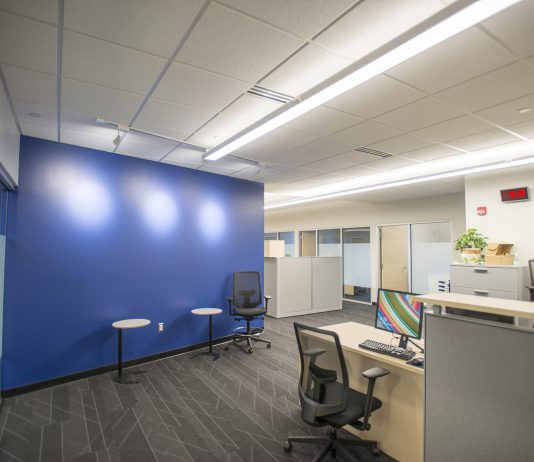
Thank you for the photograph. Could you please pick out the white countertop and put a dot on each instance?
(500, 306)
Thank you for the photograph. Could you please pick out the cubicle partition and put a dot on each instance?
(478, 386)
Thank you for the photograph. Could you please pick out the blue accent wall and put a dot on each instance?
(95, 237)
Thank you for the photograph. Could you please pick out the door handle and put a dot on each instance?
(481, 270)
(481, 292)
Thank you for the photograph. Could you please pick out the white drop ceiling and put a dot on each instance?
(182, 70)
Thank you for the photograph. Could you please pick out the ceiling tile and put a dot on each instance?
(454, 128)
(47, 114)
(376, 96)
(327, 165)
(88, 140)
(462, 57)
(296, 158)
(431, 153)
(46, 132)
(525, 129)
(510, 82)
(26, 85)
(102, 63)
(373, 24)
(514, 27)
(236, 45)
(174, 116)
(419, 114)
(145, 146)
(389, 163)
(105, 102)
(483, 140)
(249, 173)
(400, 144)
(42, 10)
(323, 121)
(308, 67)
(354, 157)
(27, 43)
(83, 122)
(364, 134)
(198, 88)
(506, 113)
(177, 135)
(359, 170)
(324, 148)
(236, 117)
(184, 155)
(276, 142)
(304, 18)
(212, 167)
(155, 26)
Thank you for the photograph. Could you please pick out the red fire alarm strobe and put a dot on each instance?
(481, 211)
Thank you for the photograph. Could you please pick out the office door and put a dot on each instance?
(308, 244)
(394, 257)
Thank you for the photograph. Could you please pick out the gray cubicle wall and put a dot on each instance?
(479, 389)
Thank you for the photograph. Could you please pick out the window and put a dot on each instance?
(289, 238)
(270, 236)
(329, 243)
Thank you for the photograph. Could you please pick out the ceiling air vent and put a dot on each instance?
(373, 152)
(270, 94)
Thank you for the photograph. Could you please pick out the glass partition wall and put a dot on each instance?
(289, 238)
(328, 243)
(357, 264)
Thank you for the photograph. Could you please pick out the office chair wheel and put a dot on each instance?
(250, 351)
(288, 446)
(227, 348)
(375, 451)
(268, 345)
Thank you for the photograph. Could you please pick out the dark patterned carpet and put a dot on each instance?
(240, 408)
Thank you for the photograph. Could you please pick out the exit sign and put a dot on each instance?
(515, 194)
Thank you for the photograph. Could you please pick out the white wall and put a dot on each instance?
(513, 223)
(344, 214)
(9, 139)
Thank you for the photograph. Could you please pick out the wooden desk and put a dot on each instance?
(398, 425)
(499, 306)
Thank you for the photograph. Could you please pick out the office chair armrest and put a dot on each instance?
(375, 373)
(314, 352)
(230, 300)
(371, 375)
(267, 298)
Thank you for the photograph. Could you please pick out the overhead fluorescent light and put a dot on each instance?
(441, 26)
(393, 184)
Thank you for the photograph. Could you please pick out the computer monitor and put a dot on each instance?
(399, 313)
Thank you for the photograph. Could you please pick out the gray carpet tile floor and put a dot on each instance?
(240, 408)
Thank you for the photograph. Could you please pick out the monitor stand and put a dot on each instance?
(403, 343)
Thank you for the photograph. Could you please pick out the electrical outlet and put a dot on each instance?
(160, 327)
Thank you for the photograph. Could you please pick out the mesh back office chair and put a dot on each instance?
(531, 286)
(245, 304)
(326, 398)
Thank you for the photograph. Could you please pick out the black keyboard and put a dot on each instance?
(385, 349)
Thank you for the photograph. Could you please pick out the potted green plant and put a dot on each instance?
(471, 244)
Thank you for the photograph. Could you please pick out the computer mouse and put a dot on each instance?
(417, 361)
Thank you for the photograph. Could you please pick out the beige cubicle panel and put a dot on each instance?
(302, 285)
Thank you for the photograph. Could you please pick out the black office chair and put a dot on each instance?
(326, 398)
(531, 286)
(245, 304)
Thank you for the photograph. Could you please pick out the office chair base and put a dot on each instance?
(249, 338)
(335, 446)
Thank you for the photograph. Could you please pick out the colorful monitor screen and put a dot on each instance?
(399, 313)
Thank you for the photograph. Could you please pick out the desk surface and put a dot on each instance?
(490, 305)
(351, 334)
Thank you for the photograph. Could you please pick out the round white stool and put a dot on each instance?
(210, 312)
(120, 326)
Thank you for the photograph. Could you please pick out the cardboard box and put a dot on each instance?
(498, 253)
(348, 290)
(273, 248)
